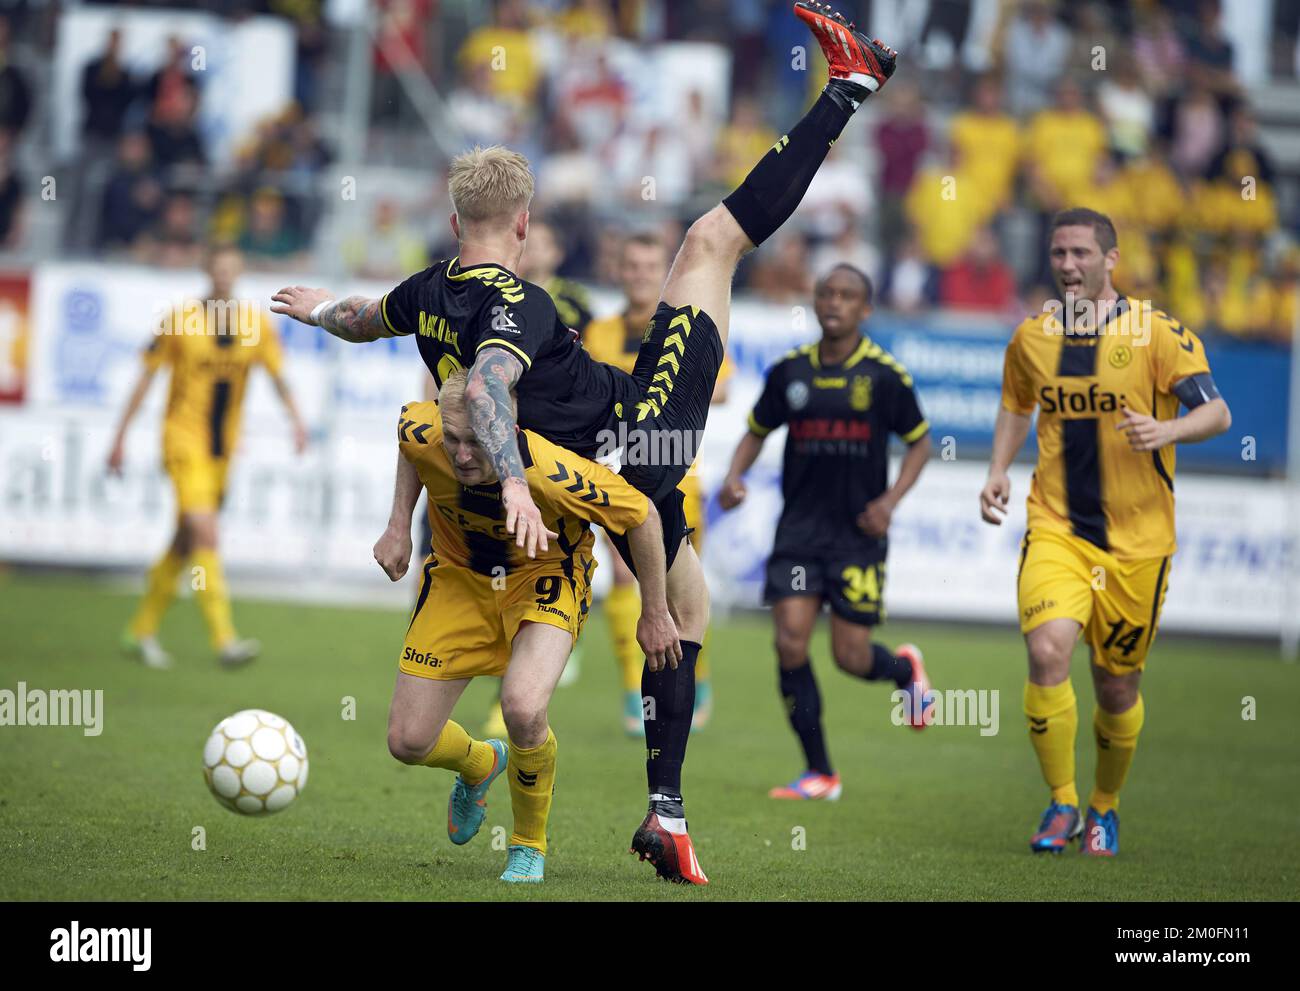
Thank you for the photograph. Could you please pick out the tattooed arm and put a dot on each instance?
(356, 319)
(492, 416)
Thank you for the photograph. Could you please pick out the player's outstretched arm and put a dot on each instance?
(733, 491)
(356, 319)
(655, 630)
(492, 416)
(393, 549)
(117, 453)
(1009, 435)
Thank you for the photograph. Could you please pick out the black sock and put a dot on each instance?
(886, 665)
(803, 704)
(666, 734)
(770, 193)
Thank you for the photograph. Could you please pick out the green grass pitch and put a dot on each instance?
(1210, 810)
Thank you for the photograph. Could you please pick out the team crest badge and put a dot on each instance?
(860, 393)
(796, 395)
(1120, 357)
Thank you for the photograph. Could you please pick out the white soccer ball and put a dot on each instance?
(255, 762)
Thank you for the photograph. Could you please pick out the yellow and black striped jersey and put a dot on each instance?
(468, 521)
(1088, 480)
(210, 356)
(456, 312)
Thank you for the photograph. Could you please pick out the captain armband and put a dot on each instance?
(1196, 390)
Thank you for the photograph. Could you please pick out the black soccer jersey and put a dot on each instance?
(837, 451)
(563, 394)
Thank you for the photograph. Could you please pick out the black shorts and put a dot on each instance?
(854, 585)
(659, 423)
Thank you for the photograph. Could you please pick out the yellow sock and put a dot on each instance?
(1053, 722)
(210, 591)
(159, 592)
(456, 750)
(1117, 740)
(532, 781)
(623, 609)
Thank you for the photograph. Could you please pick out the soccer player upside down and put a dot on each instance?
(486, 608)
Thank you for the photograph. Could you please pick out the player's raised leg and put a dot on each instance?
(421, 732)
(1053, 714)
(537, 658)
(857, 653)
(662, 837)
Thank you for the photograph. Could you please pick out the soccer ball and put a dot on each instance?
(255, 762)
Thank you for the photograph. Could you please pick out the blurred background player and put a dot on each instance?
(209, 346)
(1094, 560)
(841, 398)
(485, 608)
(615, 340)
(541, 264)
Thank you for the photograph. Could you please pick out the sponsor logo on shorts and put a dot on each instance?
(553, 611)
(413, 656)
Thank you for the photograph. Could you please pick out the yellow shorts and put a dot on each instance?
(1116, 602)
(463, 627)
(693, 508)
(198, 478)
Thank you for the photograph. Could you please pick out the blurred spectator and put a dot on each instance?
(987, 140)
(173, 139)
(1198, 130)
(15, 93)
(388, 247)
(173, 90)
(107, 90)
(1242, 154)
(591, 97)
(506, 47)
(174, 241)
(1098, 44)
(980, 279)
(742, 142)
(945, 208)
(780, 274)
(269, 238)
(132, 197)
(902, 138)
(399, 48)
(482, 117)
(1035, 52)
(909, 283)
(1208, 49)
(847, 247)
(1062, 146)
(11, 196)
(1158, 49)
(1126, 107)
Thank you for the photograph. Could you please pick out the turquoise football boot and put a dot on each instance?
(467, 806)
(524, 865)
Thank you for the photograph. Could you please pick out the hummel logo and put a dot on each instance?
(1037, 725)
(526, 779)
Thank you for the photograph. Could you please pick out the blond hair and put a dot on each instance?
(489, 184)
(451, 395)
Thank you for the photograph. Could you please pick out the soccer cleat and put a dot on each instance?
(148, 650)
(921, 698)
(494, 727)
(1059, 826)
(812, 785)
(859, 65)
(633, 721)
(666, 844)
(237, 653)
(1100, 834)
(703, 710)
(467, 804)
(524, 865)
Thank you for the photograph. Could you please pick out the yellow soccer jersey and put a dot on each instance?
(1089, 481)
(469, 523)
(210, 353)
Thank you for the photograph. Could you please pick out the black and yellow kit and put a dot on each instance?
(840, 420)
(1100, 528)
(478, 587)
(564, 394)
(209, 356)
